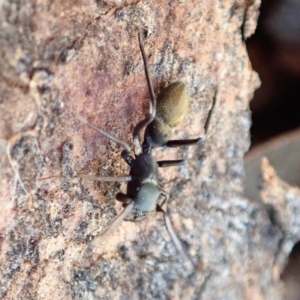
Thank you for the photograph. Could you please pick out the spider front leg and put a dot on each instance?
(125, 153)
(152, 113)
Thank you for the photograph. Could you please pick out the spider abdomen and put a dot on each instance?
(172, 106)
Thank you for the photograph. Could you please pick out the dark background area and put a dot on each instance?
(274, 51)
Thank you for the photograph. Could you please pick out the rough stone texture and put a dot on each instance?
(283, 204)
(283, 154)
(82, 56)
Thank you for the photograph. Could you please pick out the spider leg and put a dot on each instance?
(165, 195)
(170, 163)
(106, 179)
(125, 146)
(176, 242)
(123, 198)
(152, 113)
(182, 143)
(115, 223)
(207, 122)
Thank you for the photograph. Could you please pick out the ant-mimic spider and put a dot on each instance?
(143, 190)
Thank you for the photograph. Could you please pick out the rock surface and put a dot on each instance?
(61, 58)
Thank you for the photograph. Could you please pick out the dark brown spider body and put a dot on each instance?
(143, 191)
(142, 188)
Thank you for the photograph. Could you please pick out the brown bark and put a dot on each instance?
(83, 57)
